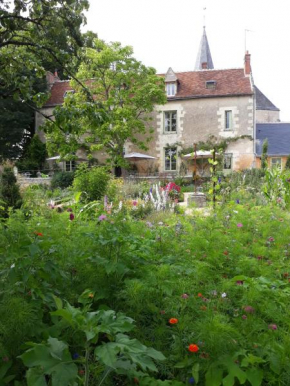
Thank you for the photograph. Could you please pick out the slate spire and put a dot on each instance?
(203, 59)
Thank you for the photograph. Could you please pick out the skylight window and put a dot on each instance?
(210, 84)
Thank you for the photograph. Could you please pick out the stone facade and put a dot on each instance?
(267, 116)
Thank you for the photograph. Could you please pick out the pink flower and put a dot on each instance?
(244, 317)
(272, 326)
(185, 296)
(102, 217)
(134, 202)
(271, 239)
(71, 216)
(239, 225)
(239, 282)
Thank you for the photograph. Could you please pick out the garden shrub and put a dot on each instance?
(92, 182)
(9, 191)
(62, 180)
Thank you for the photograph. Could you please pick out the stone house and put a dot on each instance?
(206, 102)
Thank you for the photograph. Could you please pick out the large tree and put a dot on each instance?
(115, 106)
(35, 36)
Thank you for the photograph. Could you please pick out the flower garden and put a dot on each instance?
(127, 289)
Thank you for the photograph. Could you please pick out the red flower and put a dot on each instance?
(71, 216)
(193, 348)
(38, 234)
(199, 295)
(173, 321)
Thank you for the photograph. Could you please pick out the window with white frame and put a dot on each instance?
(228, 161)
(170, 89)
(228, 120)
(170, 158)
(70, 166)
(276, 162)
(170, 121)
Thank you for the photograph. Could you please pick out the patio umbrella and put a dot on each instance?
(137, 156)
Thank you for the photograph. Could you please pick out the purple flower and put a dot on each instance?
(149, 224)
(219, 180)
(75, 355)
(272, 326)
(71, 216)
(191, 381)
(237, 201)
(185, 296)
(239, 225)
(244, 317)
(239, 282)
(102, 217)
(271, 239)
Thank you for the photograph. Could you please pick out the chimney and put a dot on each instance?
(51, 79)
(204, 65)
(248, 69)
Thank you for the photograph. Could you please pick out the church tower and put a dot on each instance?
(203, 59)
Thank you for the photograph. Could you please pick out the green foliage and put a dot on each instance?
(92, 182)
(115, 105)
(34, 157)
(277, 187)
(62, 180)
(9, 190)
(224, 276)
(287, 165)
(264, 157)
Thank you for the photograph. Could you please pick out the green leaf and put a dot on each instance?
(4, 368)
(195, 372)
(213, 377)
(58, 302)
(229, 380)
(35, 377)
(107, 353)
(255, 376)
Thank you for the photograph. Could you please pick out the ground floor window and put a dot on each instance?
(70, 166)
(228, 161)
(170, 158)
(276, 162)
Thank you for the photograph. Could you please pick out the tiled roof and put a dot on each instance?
(191, 85)
(278, 135)
(57, 92)
(262, 102)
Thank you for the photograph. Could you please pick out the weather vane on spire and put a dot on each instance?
(204, 9)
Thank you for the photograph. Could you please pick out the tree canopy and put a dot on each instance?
(114, 106)
(35, 36)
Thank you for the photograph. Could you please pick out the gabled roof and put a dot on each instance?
(203, 55)
(262, 102)
(170, 75)
(191, 85)
(278, 135)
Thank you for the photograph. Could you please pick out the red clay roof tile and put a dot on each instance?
(191, 85)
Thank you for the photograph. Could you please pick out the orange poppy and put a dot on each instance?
(173, 321)
(38, 234)
(193, 347)
(199, 295)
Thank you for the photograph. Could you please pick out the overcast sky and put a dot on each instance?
(167, 33)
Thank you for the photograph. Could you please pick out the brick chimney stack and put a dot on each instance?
(248, 69)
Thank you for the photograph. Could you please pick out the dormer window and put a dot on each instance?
(170, 89)
(171, 83)
(210, 84)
